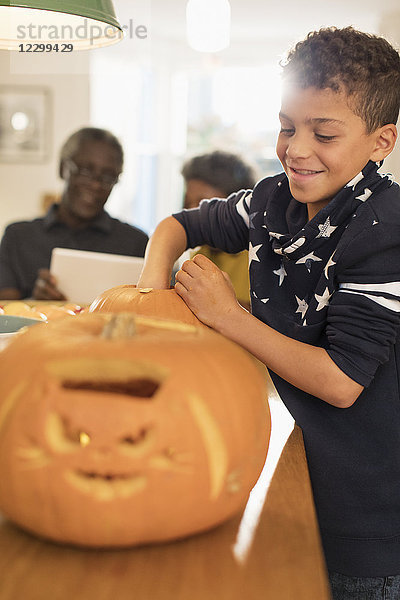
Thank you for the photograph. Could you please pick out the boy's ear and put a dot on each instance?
(62, 170)
(385, 139)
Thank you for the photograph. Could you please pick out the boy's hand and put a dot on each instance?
(207, 291)
(45, 287)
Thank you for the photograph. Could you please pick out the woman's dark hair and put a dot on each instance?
(223, 170)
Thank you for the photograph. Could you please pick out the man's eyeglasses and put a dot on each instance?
(106, 180)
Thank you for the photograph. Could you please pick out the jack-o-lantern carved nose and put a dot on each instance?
(138, 387)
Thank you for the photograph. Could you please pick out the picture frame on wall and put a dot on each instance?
(25, 124)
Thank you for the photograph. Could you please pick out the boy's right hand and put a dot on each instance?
(45, 287)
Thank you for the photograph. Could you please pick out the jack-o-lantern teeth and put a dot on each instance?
(106, 487)
(63, 437)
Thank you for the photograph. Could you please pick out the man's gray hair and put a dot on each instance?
(89, 134)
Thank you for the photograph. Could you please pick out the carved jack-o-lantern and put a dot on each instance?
(110, 440)
(165, 304)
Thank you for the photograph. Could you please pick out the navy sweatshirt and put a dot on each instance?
(332, 282)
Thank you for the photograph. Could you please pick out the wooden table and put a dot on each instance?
(271, 552)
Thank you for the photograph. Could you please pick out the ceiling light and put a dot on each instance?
(83, 25)
(208, 24)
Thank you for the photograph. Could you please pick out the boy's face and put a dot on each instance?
(322, 144)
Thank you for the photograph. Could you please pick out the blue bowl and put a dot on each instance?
(10, 325)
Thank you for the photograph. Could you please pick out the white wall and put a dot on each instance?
(66, 78)
(390, 28)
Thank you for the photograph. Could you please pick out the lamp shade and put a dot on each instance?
(84, 25)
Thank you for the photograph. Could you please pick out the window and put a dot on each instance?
(162, 114)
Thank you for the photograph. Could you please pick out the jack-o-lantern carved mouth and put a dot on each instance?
(108, 486)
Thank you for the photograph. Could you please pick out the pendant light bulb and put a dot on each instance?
(208, 24)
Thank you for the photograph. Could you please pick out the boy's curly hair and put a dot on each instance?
(363, 66)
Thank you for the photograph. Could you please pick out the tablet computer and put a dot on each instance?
(83, 275)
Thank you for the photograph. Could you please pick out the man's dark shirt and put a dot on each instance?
(26, 246)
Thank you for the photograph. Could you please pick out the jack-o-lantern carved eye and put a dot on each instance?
(139, 387)
(74, 434)
(137, 444)
(62, 436)
(137, 439)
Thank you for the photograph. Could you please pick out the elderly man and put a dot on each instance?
(91, 162)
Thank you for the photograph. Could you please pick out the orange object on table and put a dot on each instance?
(275, 555)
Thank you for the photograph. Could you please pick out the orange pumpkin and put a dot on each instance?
(19, 308)
(111, 440)
(44, 311)
(53, 311)
(165, 304)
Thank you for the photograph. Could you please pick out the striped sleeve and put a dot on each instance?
(384, 294)
(364, 312)
(222, 224)
(243, 208)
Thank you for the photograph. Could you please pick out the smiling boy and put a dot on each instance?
(331, 144)
(324, 255)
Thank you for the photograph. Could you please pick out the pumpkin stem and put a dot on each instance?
(122, 325)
